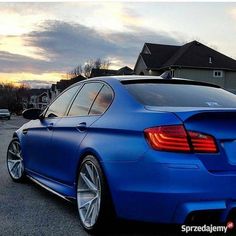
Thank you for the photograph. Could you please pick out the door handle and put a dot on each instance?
(81, 126)
(50, 126)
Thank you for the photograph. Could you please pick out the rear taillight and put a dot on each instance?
(168, 138)
(176, 138)
(202, 142)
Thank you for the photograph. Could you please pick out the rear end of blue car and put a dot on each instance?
(186, 169)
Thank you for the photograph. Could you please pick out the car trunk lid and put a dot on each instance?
(220, 123)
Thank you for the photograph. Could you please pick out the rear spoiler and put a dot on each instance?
(160, 80)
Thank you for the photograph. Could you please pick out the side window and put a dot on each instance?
(59, 106)
(84, 99)
(102, 101)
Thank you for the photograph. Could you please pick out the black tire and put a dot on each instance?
(22, 177)
(106, 216)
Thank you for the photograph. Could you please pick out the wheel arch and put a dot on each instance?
(15, 135)
(86, 152)
(95, 154)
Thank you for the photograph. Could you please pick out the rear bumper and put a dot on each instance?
(168, 189)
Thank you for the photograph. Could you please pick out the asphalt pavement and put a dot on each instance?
(27, 209)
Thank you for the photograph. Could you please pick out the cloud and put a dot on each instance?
(232, 13)
(36, 83)
(12, 63)
(65, 45)
(70, 44)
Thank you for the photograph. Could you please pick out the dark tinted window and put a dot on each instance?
(60, 105)
(181, 95)
(102, 101)
(84, 99)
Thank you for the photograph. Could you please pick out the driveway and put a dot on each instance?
(26, 209)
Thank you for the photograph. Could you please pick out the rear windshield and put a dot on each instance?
(181, 95)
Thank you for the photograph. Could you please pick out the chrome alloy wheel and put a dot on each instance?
(89, 194)
(14, 160)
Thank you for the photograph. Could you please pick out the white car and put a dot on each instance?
(5, 113)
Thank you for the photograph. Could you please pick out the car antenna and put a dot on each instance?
(166, 75)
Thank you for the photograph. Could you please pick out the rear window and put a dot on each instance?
(181, 95)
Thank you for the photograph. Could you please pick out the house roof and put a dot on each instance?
(125, 71)
(96, 72)
(63, 84)
(43, 94)
(105, 72)
(36, 92)
(192, 55)
(53, 87)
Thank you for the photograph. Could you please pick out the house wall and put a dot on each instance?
(140, 67)
(230, 81)
(200, 75)
(154, 73)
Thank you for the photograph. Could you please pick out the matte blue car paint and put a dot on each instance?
(145, 184)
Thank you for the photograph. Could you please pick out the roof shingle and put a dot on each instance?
(193, 55)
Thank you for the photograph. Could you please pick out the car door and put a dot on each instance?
(71, 130)
(38, 135)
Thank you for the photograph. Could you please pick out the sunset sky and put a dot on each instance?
(40, 42)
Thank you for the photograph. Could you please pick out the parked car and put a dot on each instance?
(138, 148)
(5, 113)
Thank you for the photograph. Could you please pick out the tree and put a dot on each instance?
(11, 97)
(88, 66)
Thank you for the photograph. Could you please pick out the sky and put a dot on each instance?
(41, 42)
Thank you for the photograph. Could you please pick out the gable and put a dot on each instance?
(140, 66)
(158, 55)
(145, 50)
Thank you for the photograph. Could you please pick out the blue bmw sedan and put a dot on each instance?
(137, 148)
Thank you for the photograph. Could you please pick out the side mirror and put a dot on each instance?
(32, 114)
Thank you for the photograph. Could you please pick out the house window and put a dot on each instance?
(217, 73)
(44, 99)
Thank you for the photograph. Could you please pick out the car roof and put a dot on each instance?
(132, 79)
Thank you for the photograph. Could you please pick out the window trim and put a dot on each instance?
(218, 71)
(96, 98)
(59, 117)
(89, 82)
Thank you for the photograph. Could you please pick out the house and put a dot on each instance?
(65, 83)
(57, 88)
(42, 100)
(53, 92)
(192, 60)
(125, 71)
(96, 72)
(38, 99)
